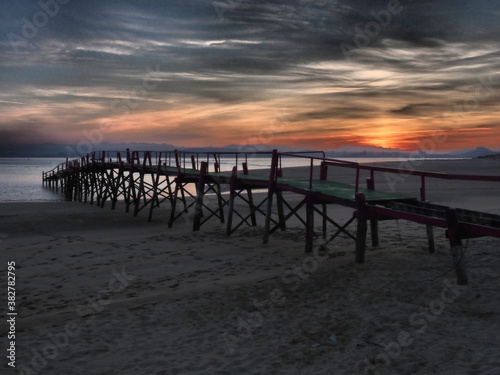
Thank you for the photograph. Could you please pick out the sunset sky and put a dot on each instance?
(319, 74)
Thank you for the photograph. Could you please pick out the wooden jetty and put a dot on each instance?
(192, 184)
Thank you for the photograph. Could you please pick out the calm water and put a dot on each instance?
(21, 179)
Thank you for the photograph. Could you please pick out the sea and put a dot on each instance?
(21, 178)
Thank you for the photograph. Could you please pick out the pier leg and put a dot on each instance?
(184, 203)
(140, 192)
(107, 186)
(456, 248)
(230, 213)
(92, 187)
(267, 226)
(219, 202)
(309, 224)
(116, 188)
(361, 229)
(86, 187)
(76, 186)
(281, 212)
(132, 196)
(232, 196)
(430, 238)
(174, 205)
(100, 192)
(198, 211)
(69, 188)
(253, 217)
(154, 199)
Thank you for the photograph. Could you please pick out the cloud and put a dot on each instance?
(245, 54)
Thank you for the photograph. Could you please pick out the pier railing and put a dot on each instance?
(424, 175)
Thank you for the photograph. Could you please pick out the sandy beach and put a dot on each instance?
(100, 292)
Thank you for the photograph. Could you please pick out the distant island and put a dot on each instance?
(490, 157)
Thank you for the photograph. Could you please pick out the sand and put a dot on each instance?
(102, 292)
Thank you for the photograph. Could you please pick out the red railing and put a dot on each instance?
(401, 171)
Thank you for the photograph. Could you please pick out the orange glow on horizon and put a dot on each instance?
(277, 122)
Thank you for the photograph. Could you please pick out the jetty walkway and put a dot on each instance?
(191, 182)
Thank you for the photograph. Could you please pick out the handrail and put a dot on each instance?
(422, 174)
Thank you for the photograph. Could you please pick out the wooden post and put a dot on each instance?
(309, 224)
(154, 199)
(456, 248)
(281, 211)
(174, 204)
(232, 193)
(267, 226)
(200, 189)
(140, 193)
(270, 192)
(362, 227)
(253, 217)
(323, 174)
(116, 186)
(219, 202)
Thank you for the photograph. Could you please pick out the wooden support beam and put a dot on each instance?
(232, 196)
(271, 189)
(154, 199)
(200, 192)
(293, 212)
(140, 193)
(198, 209)
(361, 217)
(253, 217)
(281, 212)
(174, 204)
(456, 248)
(115, 188)
(342, 229)
(269, 207)
(220, 202)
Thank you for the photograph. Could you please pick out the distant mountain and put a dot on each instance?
(477, 152)
(261, 147)
(371, 152)
(376, 149)
(74, 151)
(491, 157)
(31, 151)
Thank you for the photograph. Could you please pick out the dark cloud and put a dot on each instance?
(239, 51)
(418, 109)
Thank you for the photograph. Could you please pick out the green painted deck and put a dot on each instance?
(339, 190)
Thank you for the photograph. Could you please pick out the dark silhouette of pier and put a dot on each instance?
(184, 180)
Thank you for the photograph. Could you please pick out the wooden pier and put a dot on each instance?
(184, 181)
